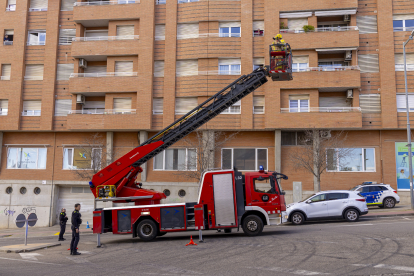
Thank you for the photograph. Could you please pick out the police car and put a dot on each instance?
(381, 195)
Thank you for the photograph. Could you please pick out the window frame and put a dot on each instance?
(186, 161)
(229, 110)
(404, 28)
(363, 170)
(298, 69)
(229, 71)
(17, 158)
(298, 108)
(70, 166)
(230, 32)
(38, 32)
(255, 161)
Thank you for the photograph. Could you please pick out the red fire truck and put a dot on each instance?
(227, 199)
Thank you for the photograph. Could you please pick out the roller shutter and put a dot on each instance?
(298, 97)
(4, 107)
(159, 32)
(38, 4)
(334, 102)
(9, 32)
(185, 31)
(94, 104)
(187, 67)
(300, 59)
(126, 32)
(229, 61)
(34, 72)
(367, 24)
(122, 104)
(399, 62)
(258, 61)
(334, 12)
(96, 33)
(368, 63)
(64, 71)
(295, 15)
(258, 104)
(184, 105)
(69, 196)
(258, 25)
(124, 68)
(402, 16)
(5, 71)
(159, 69)
(297, 23)
(229, 24)
(158, 105)
(11, 2)
(32, 105)
(370, 103)
(67, 5)
(95, 69)
(62, 107)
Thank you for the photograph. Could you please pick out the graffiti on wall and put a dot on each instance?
(29, 210)
(9, 212)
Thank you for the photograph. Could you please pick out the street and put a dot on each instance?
(372, 246)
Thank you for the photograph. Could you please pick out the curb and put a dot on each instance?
(29, 249)
(388, 215)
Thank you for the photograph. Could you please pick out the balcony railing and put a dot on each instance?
(31, 113)
(108, 38)
(203, 35)
(324, 29)
(102, 3)
(100, 111)
(102, 75)
(36, 43)
(7, 42)
(37, 9)
(403, 29)
(5, 78)
(11, 8)
(3, 112)
(219, 72)
(321, 109)
(327, 68)
(65, 40)
(400, 67)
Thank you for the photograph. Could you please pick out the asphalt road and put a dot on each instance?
(372, 246)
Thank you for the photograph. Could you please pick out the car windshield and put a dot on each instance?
(354, 188)
(307, 198)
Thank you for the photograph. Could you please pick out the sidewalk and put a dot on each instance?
(398, 210)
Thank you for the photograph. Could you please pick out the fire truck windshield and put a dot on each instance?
(263, 185)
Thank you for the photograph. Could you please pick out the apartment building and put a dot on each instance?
(106, 75)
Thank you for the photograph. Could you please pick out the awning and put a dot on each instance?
(295, 15)
(334, 12)
(336, 49)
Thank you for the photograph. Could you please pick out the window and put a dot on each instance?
(370, 103)
(403, 22)
(122, 105)
(9, 190)
(185, 31)
(184, 105)
(26, 158)
(11, 5)
(332, 65)
(8, 37)
(299, 103)
(167, 192)
(181, 193)
(38, 5)
(159, 69)
(64, 71)
(368, 63)
(124, 68)
(5, 71)
(159, 32)
(263, 186)
(234, 109)
(176, 160)
(34, 72)
(353, 160)
(186, 1)
(399, 62)
(66, 36)
(93, 107)
(292, 138)
(95, 71)
(258, 62)
(158, 106)
(62, 107)
(258, 104)
(87, 158)
(127, 1)
(336, 196)
(402, 103)
(230, 66)
(4, 107)
(258, 28)
(36, 37)
(300, 64)
(229, 29)
(297, 24)
(67, 5)
(367, 24)
(31, 108)
(248, 159)
(321, 197)
(37, 190)
(125, 32)
(160, 2)
(187, 67)
(96, 34)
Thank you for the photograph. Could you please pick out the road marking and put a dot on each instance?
(292, 271)
(30, 256)
(78, 260)
(85, 252)
(395, 267)
(29, 261)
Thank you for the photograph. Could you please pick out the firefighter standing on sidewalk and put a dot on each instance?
(76, 222)
(62, 219)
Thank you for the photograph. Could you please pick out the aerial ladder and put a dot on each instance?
(117, 181)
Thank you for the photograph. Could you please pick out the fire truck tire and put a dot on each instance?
(252, 225)
(147, 230)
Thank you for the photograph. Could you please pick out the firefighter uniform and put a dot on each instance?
(76, 222)
(62, 219)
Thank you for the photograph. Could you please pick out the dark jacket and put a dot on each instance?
(76, 219)
(63, 218)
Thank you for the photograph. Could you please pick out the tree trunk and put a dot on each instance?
(316, 176)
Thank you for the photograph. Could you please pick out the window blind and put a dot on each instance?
(229, 61)
(96, 33)
(370, 103)
(124, 68)
(298, 97)
(399, 58)
(334, 102)
(295, 15)
(229, 24)
(32, 105)
(94, 104)
(157, 105)
(38, 4)
(4, 104)
(159, 32)
(258, 61)
(297, 23)
(34, 72)
(67, 5)
(403, 16)
(127, 31)
(187, 30)
(258, 104)
(9, 32)
(95, 69)
(6, 71)
(334, 12)
(368, 63)
(159, 69)
(367, 24)
(12, 2)
(62, 107)
(64, 71)
(184, 105)
(300, 59)
(122, 104)
(258, 25)
(187, 67)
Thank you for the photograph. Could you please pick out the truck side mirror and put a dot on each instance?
(282, 192)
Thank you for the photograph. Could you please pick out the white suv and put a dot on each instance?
(381, 195)
(347, 205)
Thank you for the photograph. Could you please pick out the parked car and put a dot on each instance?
(381, 195)
(349, 205)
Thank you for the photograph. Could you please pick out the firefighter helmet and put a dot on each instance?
(282, 41)
(278, 36)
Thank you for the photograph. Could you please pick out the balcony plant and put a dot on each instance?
(308, 28)
(282, 26)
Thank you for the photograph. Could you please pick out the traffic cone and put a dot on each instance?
(87, 225)
(191, 242)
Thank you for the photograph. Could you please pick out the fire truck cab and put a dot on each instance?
(227, 199)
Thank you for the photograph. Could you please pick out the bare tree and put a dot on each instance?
(321, 150)
(90, 156)
(201, 151)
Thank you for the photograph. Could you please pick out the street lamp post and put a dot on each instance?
(410, 161)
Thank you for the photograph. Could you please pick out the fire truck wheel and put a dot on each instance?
(252, 225)
(147, 230)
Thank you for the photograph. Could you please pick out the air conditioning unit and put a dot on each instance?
(350, 93)
(348, 55)
(83, 63)
(347, 18)
(80, 99)
(326, 133)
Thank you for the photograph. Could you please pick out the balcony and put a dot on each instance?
(107, 119)
(293, 5)
(82, 47)
(87, 12)
(99, 111)
(320, 117)
(103, 82)
(330, 37)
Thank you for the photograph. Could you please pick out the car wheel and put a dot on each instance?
(147, 230)
(351, 215)
(389, 202)
(252, 225)
(297, 218)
